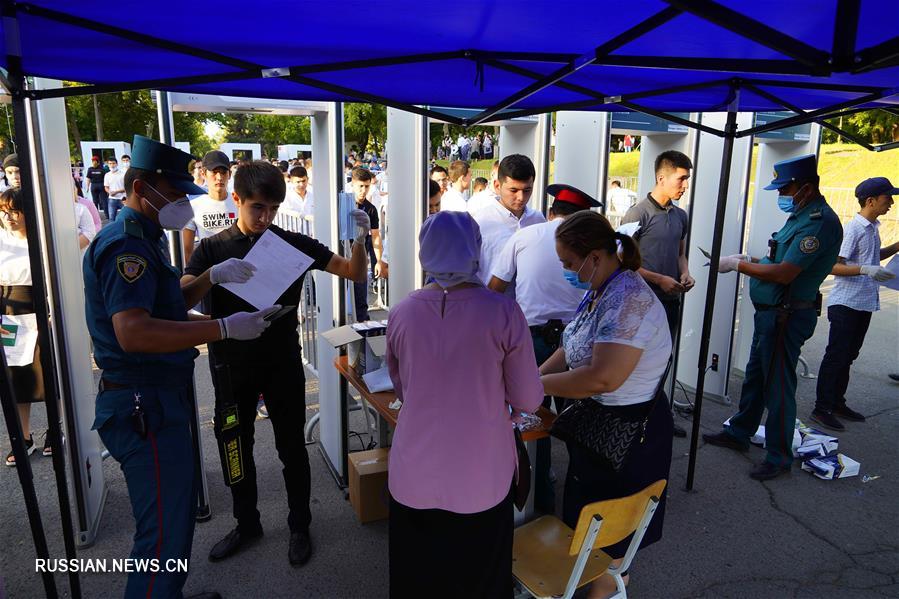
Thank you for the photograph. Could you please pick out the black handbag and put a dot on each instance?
(522, 486)
(606, 432)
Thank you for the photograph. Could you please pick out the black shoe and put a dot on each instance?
(209, 595)
(233, 542)
(679, 432)
(894, 377)
(724, 439)
(300, 548)
(848, 413)
(767, 471)
(827, 420)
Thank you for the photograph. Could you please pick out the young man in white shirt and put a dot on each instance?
(529, 263)
(114, 185)
(499, 221)
(299, 197)
(486, 197)
(214, 211)
(460, 181)
(854, 298)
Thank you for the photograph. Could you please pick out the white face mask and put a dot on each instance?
(175, 215)
(113, 168)
(125, 164)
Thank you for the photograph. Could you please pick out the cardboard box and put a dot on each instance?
(832, 466)
(366, 344)
(368, 485)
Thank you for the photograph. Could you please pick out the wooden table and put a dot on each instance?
(387, 419)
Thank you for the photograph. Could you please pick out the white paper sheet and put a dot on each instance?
(278, 265)
(893, 267)
(21, 339)
(629, 229)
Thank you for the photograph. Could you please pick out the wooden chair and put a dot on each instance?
(551, 560)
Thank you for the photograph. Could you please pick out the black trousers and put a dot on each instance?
(848, 328)
(284, 387)
(439, 554)
(99, 197)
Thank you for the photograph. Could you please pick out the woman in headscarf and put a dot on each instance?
(459, 356)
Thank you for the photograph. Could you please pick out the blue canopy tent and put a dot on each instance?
(816, 58)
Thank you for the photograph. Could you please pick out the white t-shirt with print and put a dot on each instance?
(211, 216)
(628, 313)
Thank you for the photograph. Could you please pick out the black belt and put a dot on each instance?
(792, 306)
(539, 328)
(107, 385)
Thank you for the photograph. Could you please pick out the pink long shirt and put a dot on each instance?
(457, 374)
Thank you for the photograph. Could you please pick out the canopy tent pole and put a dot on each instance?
(730, 130)
(31, 181)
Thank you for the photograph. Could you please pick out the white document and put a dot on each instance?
(278, 266)
(20, 339)
(893, 267)
(629, 229)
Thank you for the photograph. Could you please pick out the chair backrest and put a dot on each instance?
(620, 517)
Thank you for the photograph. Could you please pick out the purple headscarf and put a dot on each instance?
(450, 248)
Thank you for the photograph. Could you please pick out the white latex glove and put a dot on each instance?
(729, 263)
(232, 270)
(878, 273)
(244, 326)
(363, 224)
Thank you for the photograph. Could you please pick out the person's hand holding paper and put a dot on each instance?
(232, 270)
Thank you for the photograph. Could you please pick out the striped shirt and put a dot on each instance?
(861, 245)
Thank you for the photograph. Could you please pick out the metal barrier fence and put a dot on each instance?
(307, 310)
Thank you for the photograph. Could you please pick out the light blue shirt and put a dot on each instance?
(861, 246)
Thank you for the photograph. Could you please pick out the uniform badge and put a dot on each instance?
(809, 245)
(130, 266)
(775, 174)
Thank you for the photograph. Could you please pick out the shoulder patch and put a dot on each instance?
(130, 266)
(809, 245)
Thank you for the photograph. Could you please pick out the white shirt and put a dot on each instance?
(14, 266)
(85, 222)
(211, 216)
(115, 181)
(861, 246)
(530, 260)
(620, 200)
(497, 226)
(480, 200)
(628, 313)
(452, 201)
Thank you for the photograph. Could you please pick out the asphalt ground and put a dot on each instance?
(731, 537)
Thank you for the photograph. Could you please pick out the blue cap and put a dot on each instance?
(794, 169)
(875, 186)
(170, 162)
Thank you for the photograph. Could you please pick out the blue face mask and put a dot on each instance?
(574, 279)
(785, 203)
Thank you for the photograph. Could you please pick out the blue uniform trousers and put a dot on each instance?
(161, 479)
(770, 382)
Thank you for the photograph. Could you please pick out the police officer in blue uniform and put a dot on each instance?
(784, 292)
(144, 343)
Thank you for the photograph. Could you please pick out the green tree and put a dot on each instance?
(366, 126)
(874, 126)
(266, 129)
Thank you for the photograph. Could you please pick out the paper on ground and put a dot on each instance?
(278, 266)
(20, 341)
(893, 267)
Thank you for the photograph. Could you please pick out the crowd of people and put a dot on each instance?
(518, 311)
